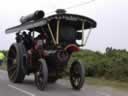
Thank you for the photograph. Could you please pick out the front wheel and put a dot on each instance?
(77, 75)
(41, 76)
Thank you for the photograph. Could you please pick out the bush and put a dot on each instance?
(113, 64)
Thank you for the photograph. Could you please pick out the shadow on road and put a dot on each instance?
(59, 86)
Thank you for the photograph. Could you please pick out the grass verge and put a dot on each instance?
(104, 82)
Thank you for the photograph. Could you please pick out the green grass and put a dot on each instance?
(103, 82)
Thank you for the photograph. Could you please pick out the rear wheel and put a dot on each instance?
(77, 75)
(41, 76)
(14, 64)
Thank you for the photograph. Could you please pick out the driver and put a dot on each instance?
(38, 45)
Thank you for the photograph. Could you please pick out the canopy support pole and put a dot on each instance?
(83, 24)
(50, 30)
(87, 37)
(88, 34)
(57, 32)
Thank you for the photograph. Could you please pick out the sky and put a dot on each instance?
(111, 17)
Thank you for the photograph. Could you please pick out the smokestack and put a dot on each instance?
(31, 17)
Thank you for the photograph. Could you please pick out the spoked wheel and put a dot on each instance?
(14, 64)
(77, 75)
(41, 76)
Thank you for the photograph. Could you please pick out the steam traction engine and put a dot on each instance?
(44, 46)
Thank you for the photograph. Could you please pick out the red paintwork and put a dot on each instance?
(72, 48)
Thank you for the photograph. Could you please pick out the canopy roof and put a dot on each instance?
(71, 19)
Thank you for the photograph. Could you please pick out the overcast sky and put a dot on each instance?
(111, 16)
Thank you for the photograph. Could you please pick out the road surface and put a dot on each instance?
(61, 88)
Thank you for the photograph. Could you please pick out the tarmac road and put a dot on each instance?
(61, 88)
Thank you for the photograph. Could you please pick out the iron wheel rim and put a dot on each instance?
(12, 63)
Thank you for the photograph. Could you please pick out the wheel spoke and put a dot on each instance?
(12, 68)
(75, 82)
(13, 74)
